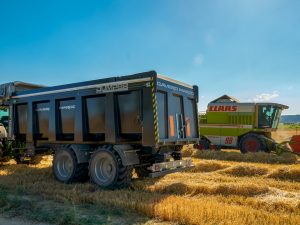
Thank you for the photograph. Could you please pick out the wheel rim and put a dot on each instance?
(252, 145)
(65, 166)
(105, 169)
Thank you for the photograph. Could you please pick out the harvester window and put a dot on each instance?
(268, 116)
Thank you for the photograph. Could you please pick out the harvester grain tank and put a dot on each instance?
(106, 127)
(234, 124)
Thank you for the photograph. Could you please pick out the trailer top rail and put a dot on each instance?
(19, 89)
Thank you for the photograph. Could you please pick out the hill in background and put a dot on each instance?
(290, 119)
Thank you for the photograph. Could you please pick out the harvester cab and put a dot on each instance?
(269, 115)
(246, 126)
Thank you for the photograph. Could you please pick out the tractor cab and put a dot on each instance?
(4, 116)
(268, 115)
(8, 91)
(3, 126)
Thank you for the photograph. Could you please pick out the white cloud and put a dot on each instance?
(265, 97)
(198, 59)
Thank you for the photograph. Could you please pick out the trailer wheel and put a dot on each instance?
(252, 143)
(65, 167)
(107, 171)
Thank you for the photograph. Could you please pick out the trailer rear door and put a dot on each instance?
(177, 111)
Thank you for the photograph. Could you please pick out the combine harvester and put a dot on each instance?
(104, 128)
(229, 123)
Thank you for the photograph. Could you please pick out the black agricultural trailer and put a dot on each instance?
(104, 128)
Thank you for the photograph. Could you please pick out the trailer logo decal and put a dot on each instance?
(42, 109)
(174, 88)
(112, 87)
(67, 107)
(223, 108)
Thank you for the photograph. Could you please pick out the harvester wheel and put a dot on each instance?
(107, 171)
(252, 143)
(65, 167)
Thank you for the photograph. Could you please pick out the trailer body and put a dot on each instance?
(145, 109)
(137, 116)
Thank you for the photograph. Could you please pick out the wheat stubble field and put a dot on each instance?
(223, 188)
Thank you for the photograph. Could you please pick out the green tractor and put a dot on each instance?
(3, 129)
(229, 123)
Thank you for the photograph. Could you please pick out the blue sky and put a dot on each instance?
(249, 49)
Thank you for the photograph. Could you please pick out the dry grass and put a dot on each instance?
(284, 134)
(208, 166)
(259, 157)
(286, 173)
(187, 151)
(246, 170)
(214, 192)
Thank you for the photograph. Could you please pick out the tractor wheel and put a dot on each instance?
(142, 171)
(65, 167)
(252, 143)
(107, 171)
(1, 150)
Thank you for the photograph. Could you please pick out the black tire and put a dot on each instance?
(76, 172)
(142, 171)
(177, 155)
(1, 150)
(203, 144)
(107, 171)
(252, 143)
(178, 148)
